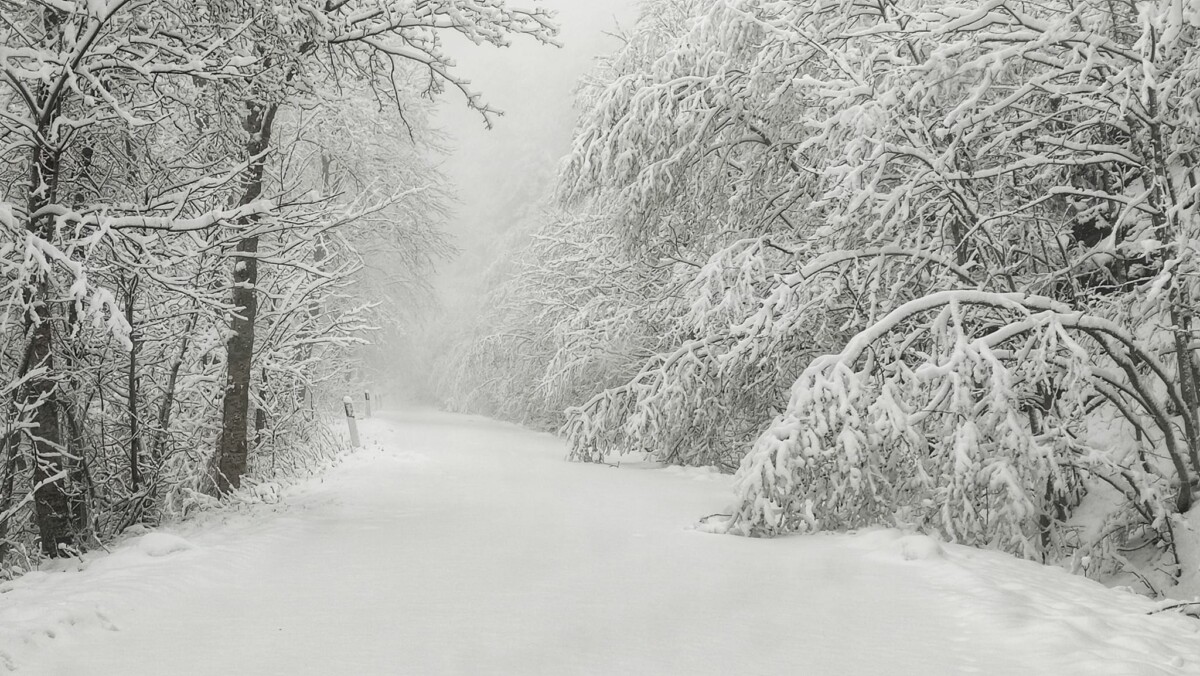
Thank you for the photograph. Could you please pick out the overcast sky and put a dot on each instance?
(501, 171)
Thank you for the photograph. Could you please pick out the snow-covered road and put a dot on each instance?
(454, 545)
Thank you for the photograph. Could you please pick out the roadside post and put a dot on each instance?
(350, 421)
(367, 398)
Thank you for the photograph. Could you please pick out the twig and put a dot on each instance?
(1173, 606)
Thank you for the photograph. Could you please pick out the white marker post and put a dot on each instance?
(367, 398)
(350, 421)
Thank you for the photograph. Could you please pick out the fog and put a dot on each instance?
(502, 174)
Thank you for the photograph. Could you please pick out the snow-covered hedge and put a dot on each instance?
(983, 429)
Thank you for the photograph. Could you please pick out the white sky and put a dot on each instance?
(503, 171)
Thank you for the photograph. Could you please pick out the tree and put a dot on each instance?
(81, 79)
(372, 38)
(819, 174)
(1044, 135)
(157, 150)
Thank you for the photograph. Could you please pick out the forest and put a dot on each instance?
(818, 336)
(908, 263)
(215, 217)
(905, 263)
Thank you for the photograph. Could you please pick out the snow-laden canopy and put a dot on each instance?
(920, 263)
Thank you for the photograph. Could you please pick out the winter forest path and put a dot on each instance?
(455, 545)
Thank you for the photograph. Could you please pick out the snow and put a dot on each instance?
(456, 545)
(162, 544)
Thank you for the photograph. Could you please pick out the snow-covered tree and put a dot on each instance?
(181, 179)
(961, 236)
(86, 87)
(375, 42)
(1055, 139)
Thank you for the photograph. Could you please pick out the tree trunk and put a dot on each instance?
(1189, 389)
(8, 476)
(60, 511)
(260, 424)
(168, 401)
(135, 433)
(260, 413)
(231, 454)
(232, 448)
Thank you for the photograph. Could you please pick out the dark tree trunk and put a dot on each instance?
(1189, 389)
(260, 424)
(135, 432)
(8, 476)
(168, 402)
(59, 510)
(260, 412)
(231, 456)
(232, 447)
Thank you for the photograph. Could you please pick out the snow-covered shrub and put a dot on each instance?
(702, 403)
(967, 414)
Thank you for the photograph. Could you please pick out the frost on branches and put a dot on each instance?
(916, 263)
(985, 430)
(567, 312)
(702, 402)
(206, 210)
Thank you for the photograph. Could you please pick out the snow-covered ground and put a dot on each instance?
(455, 545)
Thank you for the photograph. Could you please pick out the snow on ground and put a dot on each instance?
(455, 545)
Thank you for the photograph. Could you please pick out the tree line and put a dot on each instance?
(903, 262)
(207, 208)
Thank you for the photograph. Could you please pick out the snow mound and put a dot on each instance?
(162, 544)
(919, 548)
(889, 543)
(268, 491)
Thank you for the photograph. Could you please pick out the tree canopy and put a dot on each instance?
(912, 263)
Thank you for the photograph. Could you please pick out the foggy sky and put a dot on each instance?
(500, 172)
